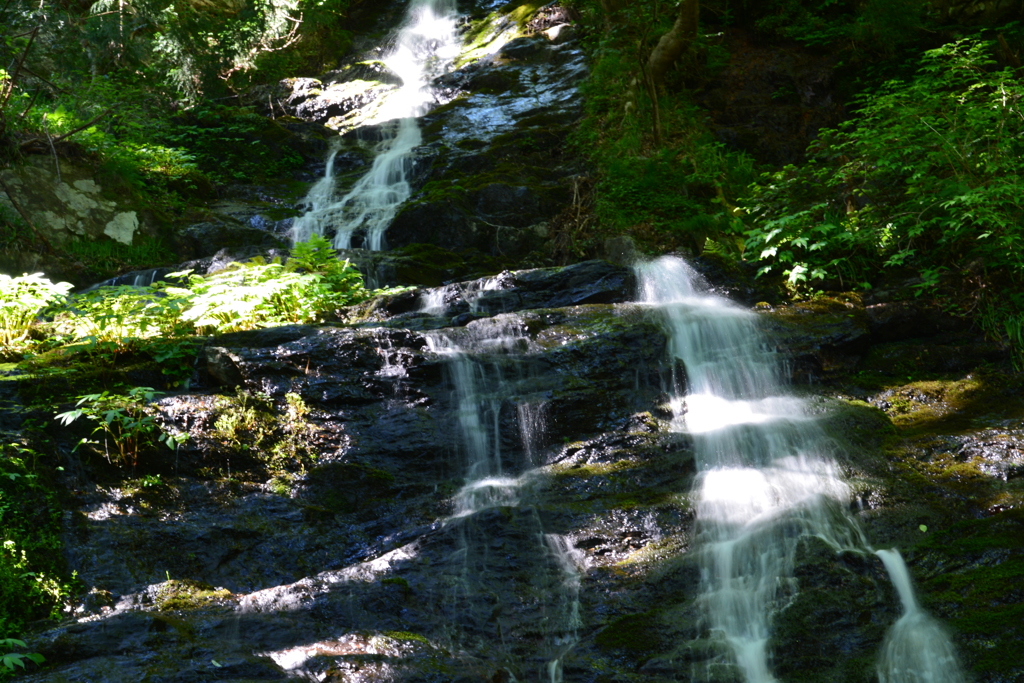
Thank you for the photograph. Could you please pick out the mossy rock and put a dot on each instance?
(633, 633)
(973, 578)
(184, 594)
(844, 604)
(348, 487)
(62, 375)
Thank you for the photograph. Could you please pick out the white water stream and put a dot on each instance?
(423, 48)
(488, 370)
(765, 480)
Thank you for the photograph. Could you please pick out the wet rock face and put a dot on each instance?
(364, 553)
(492, 168)
(363, 556)
(494, 159)
(823, 338)
(67, 203)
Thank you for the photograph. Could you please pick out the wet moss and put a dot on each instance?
(398, 582)
(843, 604)
(348, 487)
(62, 375)
(593, 470)
(185, 594)
(486, 34)
(406, 636)
(634, 633)
(656, 551)
(976, 584)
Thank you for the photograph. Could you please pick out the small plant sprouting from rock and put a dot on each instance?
(125, 422)
(248, 423)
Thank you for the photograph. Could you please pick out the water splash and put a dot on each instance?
(916, 648)
(423, 49)
(765, 480)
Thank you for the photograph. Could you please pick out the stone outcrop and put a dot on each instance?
(72, 205)
(361, 563)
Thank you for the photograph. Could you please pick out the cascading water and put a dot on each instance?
(765, 479)
(916, 649)
(423, 49)
(488, 372)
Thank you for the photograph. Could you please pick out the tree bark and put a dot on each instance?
(612, 6)
(673, 44)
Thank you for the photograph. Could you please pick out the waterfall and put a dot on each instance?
(916, 649)
(489, 371)
(423, 48)
(765, 478)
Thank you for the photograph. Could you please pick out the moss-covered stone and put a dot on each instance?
(634, 633)
(185, 594)
(974, 579)
(348, 487)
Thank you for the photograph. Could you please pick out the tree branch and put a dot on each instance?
(29, 143)
(32, 73)
(673, 44)
(83, 126)
(9, 90)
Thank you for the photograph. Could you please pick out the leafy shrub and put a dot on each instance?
(312, 284)
(927, 175)
(120, 316)
(877, 25)
(124, 421)
(231, 144)
(106, 258)
(22, 300)
(30, 544)
(201, 47)
(662, 177)
(10, 661)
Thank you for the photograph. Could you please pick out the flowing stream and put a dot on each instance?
(765, 479)
(492, 385)
(423, 48)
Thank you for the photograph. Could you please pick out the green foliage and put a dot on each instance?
(202, 47)
(22, 300)
(127, 115)
(662, 176)
(111, 72)
(259, 295)
(10, 661)
(124, 421)
(118, 317)
(30, 545)
(102, 259)
(247, 423)
(311, 285)
(879, 25)
(111, 326)
(14, 232)
(927, 176)
(230, 144)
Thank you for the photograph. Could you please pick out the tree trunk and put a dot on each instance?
(612, 6)
(673, 44)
